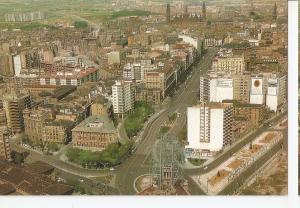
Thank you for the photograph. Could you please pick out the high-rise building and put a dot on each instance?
(257, 90)
(133, 71)
(14, 104)
(168, 13)
(4, 143)
(241, 87)
(209, 129)
(123, 97)
(216, 89)
(276, 92)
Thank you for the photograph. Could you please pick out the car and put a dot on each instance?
(81, 180)
(205, 168)
(61, 180)
(111, 169)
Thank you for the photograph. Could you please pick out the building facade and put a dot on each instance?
(95, 133)
(209, 129)
(123, 97)
(14, 104)
(4, 144)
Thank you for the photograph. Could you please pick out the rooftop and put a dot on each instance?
(96, 124)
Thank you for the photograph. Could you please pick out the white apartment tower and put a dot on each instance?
(209, 129)
(276, 92)
(123, 97)
(216, 89)
(257, 90)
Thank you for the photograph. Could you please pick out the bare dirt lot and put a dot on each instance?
(272, 180)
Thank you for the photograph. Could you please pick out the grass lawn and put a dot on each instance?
(196, 162)
(111, 156)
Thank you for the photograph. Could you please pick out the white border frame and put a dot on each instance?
(198, 201)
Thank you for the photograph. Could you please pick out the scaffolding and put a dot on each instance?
(167, 160)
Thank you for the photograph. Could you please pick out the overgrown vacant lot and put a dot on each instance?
(272, 181)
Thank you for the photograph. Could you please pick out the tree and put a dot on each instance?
(80, 24)
(52, 147)
(18, 158)
(208, 23)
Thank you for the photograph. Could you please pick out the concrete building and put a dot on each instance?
(257, 90)
(133, 71)
(75, 77)
(216, 88)
(209, 129)
(95, 133)
(4, 144)
(194, 41)
(57, 131)
(123, 97)
(42, 128)
(276, 92)
(14, 104)
(241, 88)
(227, 62)
(254, 113)
(2, 117)
(6, 65)
(34, 124)
(163, 79)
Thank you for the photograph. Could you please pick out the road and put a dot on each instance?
(226, 154)
(133, 167)
(235, 185)
(237, 146)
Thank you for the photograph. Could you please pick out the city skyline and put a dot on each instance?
(143, 98)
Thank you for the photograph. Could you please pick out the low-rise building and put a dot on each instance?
(226, 61)
(94, 133)
(101, 106)
(41, 127)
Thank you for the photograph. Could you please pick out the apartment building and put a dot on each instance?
(42, 128)
(276, 92)
(209, 129)
(226, 61)
(216, 88)
(241, 87)
(123, 97)
(14, 104)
